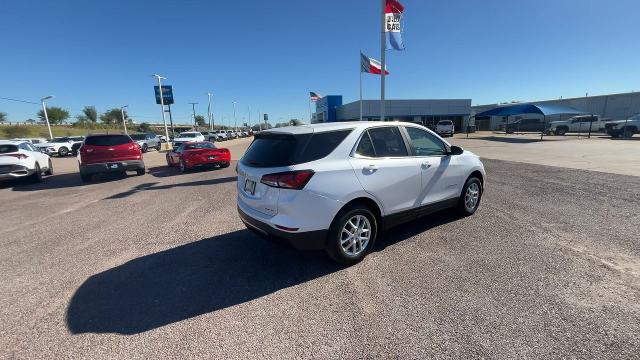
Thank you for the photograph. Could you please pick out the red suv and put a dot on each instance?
(109, 153)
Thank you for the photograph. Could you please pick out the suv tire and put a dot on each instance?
(63, 151)
(140, 172)
(342, 229)
(183, 167)
(49, 169)
(36, 177)
(627, 132)
(561, 131)
(470, 196)
(144, 148)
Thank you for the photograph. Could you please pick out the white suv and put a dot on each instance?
(20, 159)
(334, 186)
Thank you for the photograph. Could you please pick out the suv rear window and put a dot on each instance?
(107, 140)
(5, 149)
(274, 150)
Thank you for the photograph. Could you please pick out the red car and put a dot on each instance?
(195, 154)
(109, 153)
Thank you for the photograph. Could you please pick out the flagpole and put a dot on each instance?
(309, 108)
(383, 61)
(360, 85)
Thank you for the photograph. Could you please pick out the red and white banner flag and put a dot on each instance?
(371, 66)
(393, 17)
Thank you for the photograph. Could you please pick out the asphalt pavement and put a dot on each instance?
(160, 266)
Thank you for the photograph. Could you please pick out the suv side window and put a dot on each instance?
(24, 146)
(365, 147)
(388, 142)
(425, 144)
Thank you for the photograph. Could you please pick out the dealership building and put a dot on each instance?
(429, 111)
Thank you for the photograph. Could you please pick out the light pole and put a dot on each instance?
(195, 123)
(235, 123)
(164, 120)
(209, 95)
(46, 116)
(124, 121)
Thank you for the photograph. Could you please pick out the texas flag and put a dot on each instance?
(392, 18)
(371, 66)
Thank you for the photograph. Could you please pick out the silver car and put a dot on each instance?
(147, 141)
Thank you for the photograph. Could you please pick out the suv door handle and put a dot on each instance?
(371, 167)
(425, 165)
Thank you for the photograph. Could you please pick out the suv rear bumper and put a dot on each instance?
(309, 240)
(120, 166)
(14, 172)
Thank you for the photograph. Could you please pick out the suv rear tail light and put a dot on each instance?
(295, 180)
(19, 156)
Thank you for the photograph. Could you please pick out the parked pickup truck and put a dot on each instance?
(624, 128)
(445, 127)
(580, 123)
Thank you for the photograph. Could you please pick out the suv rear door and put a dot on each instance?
(382, 165)
(267, 154)
(108, 148)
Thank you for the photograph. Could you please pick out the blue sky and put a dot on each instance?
(269, 54)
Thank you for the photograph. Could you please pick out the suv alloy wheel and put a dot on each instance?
(352, 234)
(470, 197)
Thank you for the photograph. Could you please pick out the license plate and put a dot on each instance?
(250, 187)
(113, 166)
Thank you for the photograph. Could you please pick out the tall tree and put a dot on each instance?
(89, 114)
(3, 116)
(113, 117)
(200, 120)
(56, 115)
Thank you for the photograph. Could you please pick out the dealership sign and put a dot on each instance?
(167, 94)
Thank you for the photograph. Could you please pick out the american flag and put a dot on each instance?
(314, 96)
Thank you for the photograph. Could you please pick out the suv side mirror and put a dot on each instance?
(456, 150)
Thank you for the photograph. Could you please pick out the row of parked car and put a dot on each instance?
(583, 123)
(105, 153)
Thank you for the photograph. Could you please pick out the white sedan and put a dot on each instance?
(20, 159)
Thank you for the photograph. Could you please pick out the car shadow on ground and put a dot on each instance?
(167, 171)
(59, 181)
(155, 186)
(201, 277)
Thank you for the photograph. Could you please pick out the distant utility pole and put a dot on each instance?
(193, 105)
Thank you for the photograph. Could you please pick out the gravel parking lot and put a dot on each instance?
(161, 266)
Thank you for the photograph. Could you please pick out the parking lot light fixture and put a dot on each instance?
(164, 120)
(46, 116)
(235, 122)
(209, 112)
(124, 121)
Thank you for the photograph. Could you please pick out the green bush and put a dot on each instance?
(16, 131)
